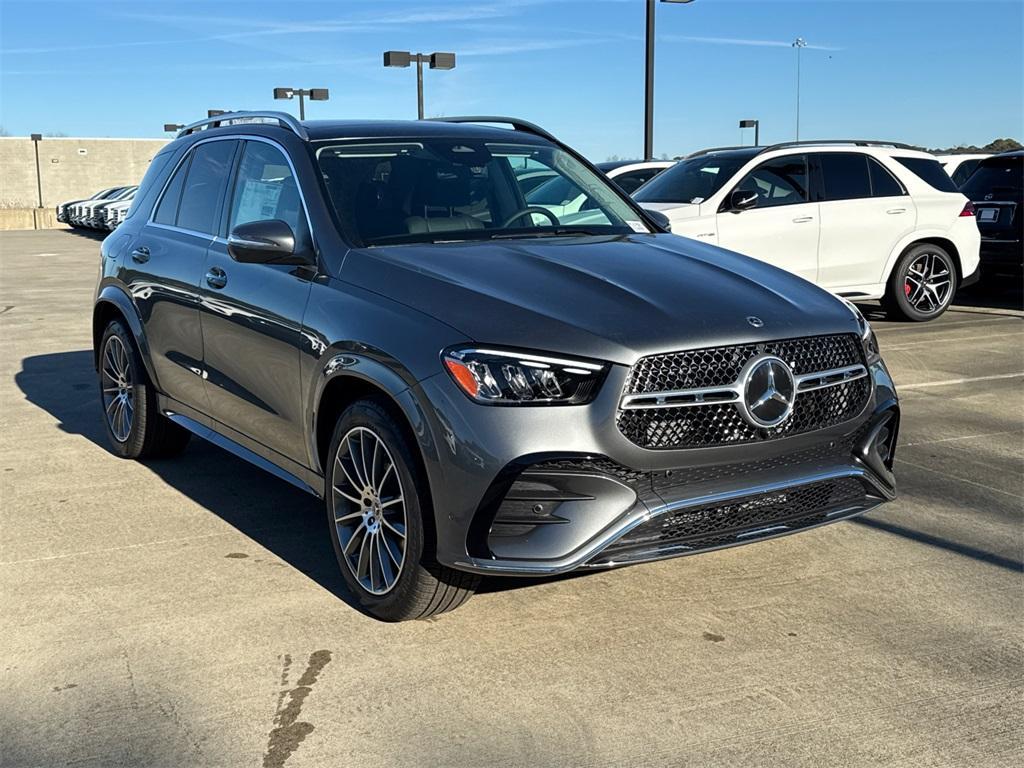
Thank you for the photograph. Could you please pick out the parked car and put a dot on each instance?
(95, 214)
(64, 209)
(115, 213)
(79, 212)
(960, 167)
(560, 196)
(995, 187)
(866, 220)
(492, 392)
(630, 175)
(532, 178)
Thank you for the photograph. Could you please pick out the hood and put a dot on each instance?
(612, 298)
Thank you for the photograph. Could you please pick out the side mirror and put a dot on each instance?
(660, 219)
(264, 242)
(742, 200)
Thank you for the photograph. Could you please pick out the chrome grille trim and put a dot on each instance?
(677, 398)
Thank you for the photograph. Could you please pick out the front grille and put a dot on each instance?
(720, 525)
(720, 423)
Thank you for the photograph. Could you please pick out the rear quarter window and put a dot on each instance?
(929, 171)
(156, 167)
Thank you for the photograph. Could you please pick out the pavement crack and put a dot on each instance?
(289, 731)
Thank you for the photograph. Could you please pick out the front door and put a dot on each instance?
(252, 313)
(782, 229)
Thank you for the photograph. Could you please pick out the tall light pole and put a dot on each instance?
(405, 58)
(756, 125)
(36, 138)
(315, 94)
(799, 44)
(649, 78)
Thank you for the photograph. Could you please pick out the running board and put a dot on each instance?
(229, 445)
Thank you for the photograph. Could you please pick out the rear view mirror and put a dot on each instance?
(264, 242)
(742, 200)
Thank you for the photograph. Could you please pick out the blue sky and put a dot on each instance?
(927, 72)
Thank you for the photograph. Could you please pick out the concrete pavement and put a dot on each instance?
(189, 612)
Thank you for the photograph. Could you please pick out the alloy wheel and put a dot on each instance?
(928, 283)
(118, 389)
(369, 510)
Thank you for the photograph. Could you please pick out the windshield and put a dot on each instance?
(999, 177)
(430, 190)
(691, 181)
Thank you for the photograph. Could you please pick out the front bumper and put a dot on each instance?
(540, 491)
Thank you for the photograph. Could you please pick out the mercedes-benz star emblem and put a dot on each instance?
(757, 322)
(769, 391)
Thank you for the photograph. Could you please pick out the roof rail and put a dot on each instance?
(236, 118)
(854, 142)
(515, 122)
(812, 143)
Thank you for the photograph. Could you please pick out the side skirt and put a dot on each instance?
(279, 467)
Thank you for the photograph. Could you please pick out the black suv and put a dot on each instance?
(371, 311)
(997, 190)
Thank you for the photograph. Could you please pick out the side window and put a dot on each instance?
(781, 181)
(204, 186)
(845, 175)
(167, 211)
(882, 182)
(265, 188)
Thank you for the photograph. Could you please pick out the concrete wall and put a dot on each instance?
(70, 169)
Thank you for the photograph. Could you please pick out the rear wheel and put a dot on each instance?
(135, 427)
(376, 501)
(922, 284)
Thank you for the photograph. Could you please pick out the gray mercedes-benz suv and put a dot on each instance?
(371, 311)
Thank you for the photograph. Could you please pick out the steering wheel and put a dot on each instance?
(530, 209)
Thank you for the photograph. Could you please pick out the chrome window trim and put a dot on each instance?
(232, 137)
(733, 393)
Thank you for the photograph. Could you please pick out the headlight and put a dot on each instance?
(867, 336)
(510, 377)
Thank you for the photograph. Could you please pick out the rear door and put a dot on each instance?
(252, 313)
(166, 262)
(865, 212)
(782, 229)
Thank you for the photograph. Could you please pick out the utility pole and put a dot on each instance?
(649, 78)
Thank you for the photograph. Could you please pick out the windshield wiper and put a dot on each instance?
(556, 232)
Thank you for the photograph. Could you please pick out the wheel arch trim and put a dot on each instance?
(111, 297)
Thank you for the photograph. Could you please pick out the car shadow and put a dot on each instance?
(98, 235)
(1006, 293)
(275, 515)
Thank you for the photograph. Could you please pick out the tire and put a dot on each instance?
(135, 427)
(922, 284)
(365, 518)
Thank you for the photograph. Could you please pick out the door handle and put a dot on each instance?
(140, 255)
(803, 219)
(896, 210)
(216, 278)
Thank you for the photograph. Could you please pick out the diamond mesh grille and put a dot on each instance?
(721, 423)
(716, 525)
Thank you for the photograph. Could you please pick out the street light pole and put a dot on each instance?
(649, 78)
(756, 125)
(799, 43)
(435, 60)
(315, 94)
(36, 138)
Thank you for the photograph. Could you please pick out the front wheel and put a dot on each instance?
(376, 501)
(922, 284)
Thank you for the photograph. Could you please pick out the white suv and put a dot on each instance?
(863, 219)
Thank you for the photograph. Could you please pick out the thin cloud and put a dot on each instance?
(499, 48)
(743, 41)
